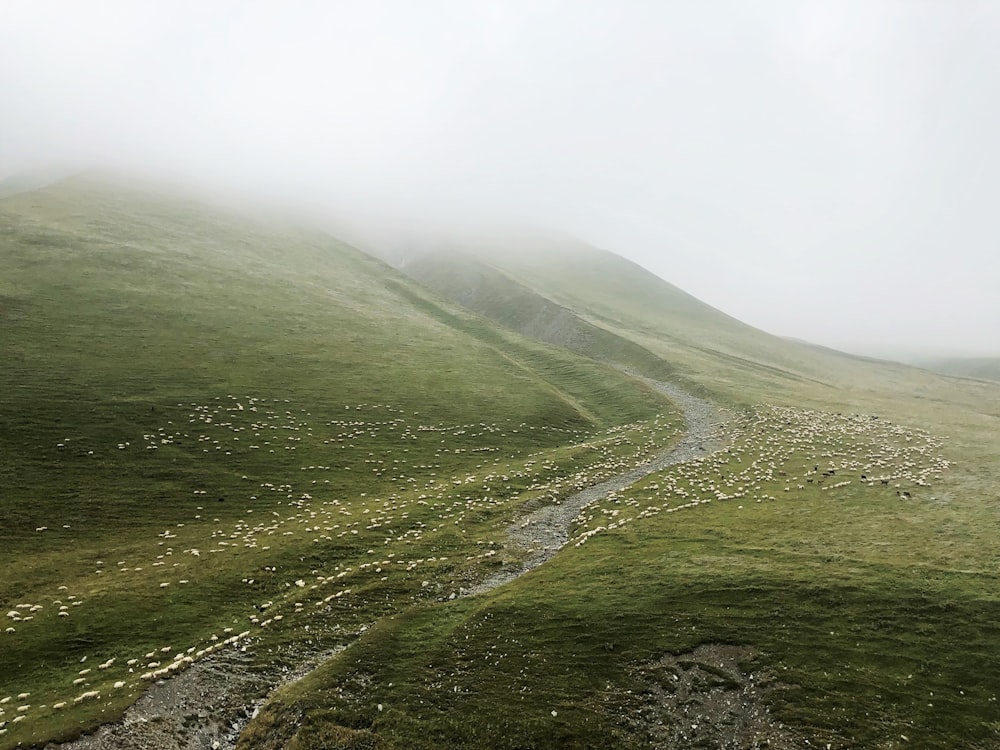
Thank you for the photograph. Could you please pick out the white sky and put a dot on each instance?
(828, 170)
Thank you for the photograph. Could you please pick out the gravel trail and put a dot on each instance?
(205, 707)
(545, 531)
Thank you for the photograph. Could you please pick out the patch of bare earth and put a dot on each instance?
(707, 698)
(205, 707)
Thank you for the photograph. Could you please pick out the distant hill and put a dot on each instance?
(22, 182)
(983, 368)
(490, 292)
(563, 291)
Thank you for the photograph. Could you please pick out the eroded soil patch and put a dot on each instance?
(712, 697)
(206, 706)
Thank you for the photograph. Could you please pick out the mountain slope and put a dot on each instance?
(114, 300)
(621, 306)
(628, 306)
(825, 580)
(492, 294)
(103, 284)
(174, 372)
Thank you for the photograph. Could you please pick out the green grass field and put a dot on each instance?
(876, 614)
(218, 432)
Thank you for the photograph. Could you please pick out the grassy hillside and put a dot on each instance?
(223, 434)
(703, 347)
(494, 295)
(827, 580)
(861, 620)
(183, 387)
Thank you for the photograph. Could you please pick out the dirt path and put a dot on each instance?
(543, 533)
(204, 708)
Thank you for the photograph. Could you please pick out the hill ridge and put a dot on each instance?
(491, 292)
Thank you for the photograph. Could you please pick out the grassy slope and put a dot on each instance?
(736, 363)
(874, 632)
(877, 614)
(171, 369)
(494, 295)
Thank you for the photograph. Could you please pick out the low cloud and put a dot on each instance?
(825, 171)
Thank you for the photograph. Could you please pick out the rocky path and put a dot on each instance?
(544, 532)
(203, 708)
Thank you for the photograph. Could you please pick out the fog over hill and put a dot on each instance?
(823, 171)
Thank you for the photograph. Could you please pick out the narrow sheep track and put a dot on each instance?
(545, 531)
(209, 705)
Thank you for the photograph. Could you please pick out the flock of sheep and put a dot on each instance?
(771, 451)
(777, 450)
(301, 509)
